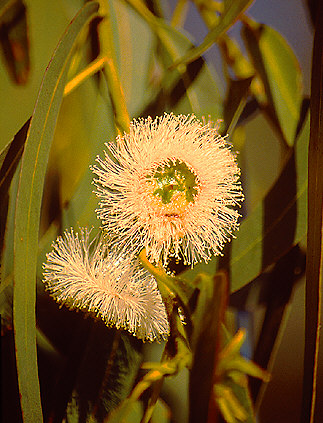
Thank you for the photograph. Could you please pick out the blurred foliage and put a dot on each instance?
(95, 66)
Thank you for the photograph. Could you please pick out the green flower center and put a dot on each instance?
(172, 181)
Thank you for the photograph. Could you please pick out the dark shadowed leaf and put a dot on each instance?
(10, 156)
(312, 7)
(28, 205)
(275, 225)
(208, 317)
(9, 159)
(285, 274)
(235, 102)
(312, 402)
(14, 39)
(99, 372)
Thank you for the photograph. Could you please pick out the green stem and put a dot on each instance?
(121, 115)
(90, 70)
(180, 13)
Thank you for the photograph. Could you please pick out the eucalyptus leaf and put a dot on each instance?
(207, 319)
(277, 65)
(312, 399)
(10, 156)
(30, 189)
(190, 90)
(184, 90)
(131, 34)
(272, 228)
(231, 13)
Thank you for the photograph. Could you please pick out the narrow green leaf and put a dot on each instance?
(8, 236)
(275, 226)
(231, 387)
(230, 15)
(280, 72)
(233, 347)
(14, 39)
(314, 263)
(28, 205)
(225, 410)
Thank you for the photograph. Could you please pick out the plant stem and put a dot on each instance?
(121, 115)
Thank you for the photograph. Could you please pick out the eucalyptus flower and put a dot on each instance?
(83, 274)
(169, 185)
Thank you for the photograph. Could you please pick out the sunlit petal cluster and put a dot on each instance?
(169, 185)
(83, 274)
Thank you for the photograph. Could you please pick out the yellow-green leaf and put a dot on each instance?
(28, 205)
(280, 73)
(230, 15)
(186, 89)
(275, 225)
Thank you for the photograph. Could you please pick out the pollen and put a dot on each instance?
(172, 187)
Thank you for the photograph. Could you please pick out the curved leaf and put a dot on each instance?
(276, 224)
(28, 205)
(231, 13)
(132, 40)
(180, 90)
(280, 72)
